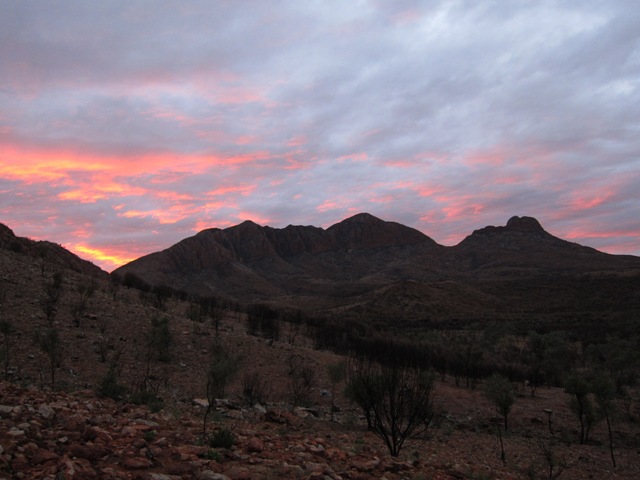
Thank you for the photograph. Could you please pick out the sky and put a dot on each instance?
(126, 126)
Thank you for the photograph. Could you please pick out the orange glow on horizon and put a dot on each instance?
(105, 258)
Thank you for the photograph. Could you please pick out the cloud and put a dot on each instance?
(124, 128)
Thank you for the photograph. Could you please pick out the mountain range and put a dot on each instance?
(379, 271)
(364, 267)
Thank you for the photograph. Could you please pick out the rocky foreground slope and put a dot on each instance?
(55, 435)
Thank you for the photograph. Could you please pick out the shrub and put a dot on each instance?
(160, 338)
(109, 386)
(222, 368)
(301, 384)
(499, 391)
(223, 438)
(255, 389)
(396, 400)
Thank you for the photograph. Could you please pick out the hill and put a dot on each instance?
(364, 267)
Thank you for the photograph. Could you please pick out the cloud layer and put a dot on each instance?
(127, 126)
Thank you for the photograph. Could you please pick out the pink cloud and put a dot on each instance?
(254, 217)
(494, 157)
(297, 141)
(327, 205)
(241, 189)
(354, 157)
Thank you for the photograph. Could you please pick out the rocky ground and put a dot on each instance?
(59, 435)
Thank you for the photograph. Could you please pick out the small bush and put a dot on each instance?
(222, 439)
(211, 455)
(109, 386)
(255, 389)
(149, 399)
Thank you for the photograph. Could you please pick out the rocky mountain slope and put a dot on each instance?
(366, 267)
(47, 253)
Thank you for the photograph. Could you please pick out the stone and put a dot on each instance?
(315, 467)
(160, 476)
(15, 432)
(5, 409)
(201, 402)
(89, 451)
(136, 463)
(147, 423)
(303, 412)
(259, 409)
(237, 472)
(210, 475)
(255, 445)
(366, 465)
(235, 414)
(46, 412)
(44, 456)
(317, 450)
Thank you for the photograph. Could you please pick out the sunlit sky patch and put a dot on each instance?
(127, 126)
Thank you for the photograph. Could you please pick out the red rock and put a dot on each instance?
(255, 445)
(43, 456)
(239, 473)
(77, 469)
(365, 465)
(89, 451)
(136, 463)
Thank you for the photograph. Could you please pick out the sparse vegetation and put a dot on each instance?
(223, 367)
(84, 293)
(7, 331)
(499, 391)
(255, 389)
(222, 438)
(160, 338)
(581, 404)
(337, 372)
(52, 293)
(49, 342)
(396, 400)
(301, 382)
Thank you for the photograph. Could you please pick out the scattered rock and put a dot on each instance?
(200, 402)
(5, 409)
(136, 463)
(210, 475)
(255, 445)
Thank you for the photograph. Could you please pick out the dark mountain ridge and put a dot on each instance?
(364, 266)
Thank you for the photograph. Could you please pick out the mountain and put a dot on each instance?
(367, 267)
(47, 253)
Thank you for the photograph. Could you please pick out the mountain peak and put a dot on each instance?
(362, 218)
(524, 224)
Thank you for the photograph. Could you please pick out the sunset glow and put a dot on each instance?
(174, 122)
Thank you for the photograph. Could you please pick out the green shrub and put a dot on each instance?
(109, 386)
(222, 439)
(211, 455)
